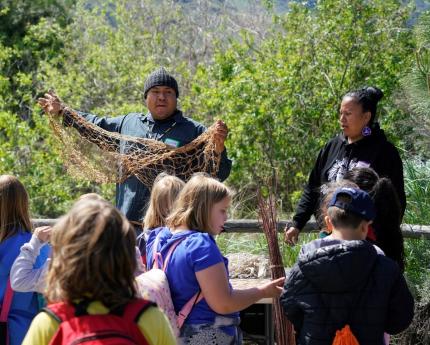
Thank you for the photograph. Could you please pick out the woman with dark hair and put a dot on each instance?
(362, 143)
(385, 230)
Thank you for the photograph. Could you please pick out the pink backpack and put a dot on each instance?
(153, 285)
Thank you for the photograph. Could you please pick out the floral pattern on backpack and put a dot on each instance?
(153, 285)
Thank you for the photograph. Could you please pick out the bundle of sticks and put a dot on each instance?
(284, 331)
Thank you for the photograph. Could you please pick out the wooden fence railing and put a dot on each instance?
(253, 226)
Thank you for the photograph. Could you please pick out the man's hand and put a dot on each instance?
(291, 235)
(43, 233)
(51, 103)
(221, 132)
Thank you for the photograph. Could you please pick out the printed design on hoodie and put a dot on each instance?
(339, 169)
(341, 166)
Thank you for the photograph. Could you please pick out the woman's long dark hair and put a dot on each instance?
(388, 211)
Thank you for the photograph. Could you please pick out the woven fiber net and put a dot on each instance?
(92, 153)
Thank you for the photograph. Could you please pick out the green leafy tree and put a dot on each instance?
(280, 97)
(31, 34)
(416, 87)
(276, 83)
(96, 56)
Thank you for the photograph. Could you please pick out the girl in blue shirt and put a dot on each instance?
(15, 230)
(164, 192)
(197, 265)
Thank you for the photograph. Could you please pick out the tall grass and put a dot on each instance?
(256, 244)
(417, 187)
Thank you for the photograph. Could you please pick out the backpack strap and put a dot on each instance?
(170, 252)
(60, 311)
(186, 309)
(135, 308)
(7, 301)
(157, 259)
(51, 313)
(64, 311)
(130, 312)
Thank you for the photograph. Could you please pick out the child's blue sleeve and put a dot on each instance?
(44, 254)
(203, 252)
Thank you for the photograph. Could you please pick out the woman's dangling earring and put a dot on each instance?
(366, 131)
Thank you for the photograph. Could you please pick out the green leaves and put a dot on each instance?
(416, 89)
(276, 82)
(280, 96)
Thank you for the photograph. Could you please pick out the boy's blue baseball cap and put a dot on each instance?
(360, 204)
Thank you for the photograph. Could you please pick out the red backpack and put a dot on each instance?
(119, 327)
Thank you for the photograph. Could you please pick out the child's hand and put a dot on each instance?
(273, 289)
(43, 233)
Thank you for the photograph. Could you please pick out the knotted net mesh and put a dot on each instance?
(92, 153)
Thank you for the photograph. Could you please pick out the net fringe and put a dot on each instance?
(106, 157)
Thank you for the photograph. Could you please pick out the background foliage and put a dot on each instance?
(280, 96)
(275, 78)
(274, 71)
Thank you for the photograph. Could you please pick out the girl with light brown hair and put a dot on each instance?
(14, 207)
(24, 277)
(15, 230)
(92, 269)
(197, 267)
(163, 194)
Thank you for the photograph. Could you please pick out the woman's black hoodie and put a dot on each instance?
(338, 156)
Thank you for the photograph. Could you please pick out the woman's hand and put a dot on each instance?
(291, 235)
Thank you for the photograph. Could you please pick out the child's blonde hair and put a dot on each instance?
(14, 207)
(194, 203)
(92, 196)
(164, 192)
(93, 255)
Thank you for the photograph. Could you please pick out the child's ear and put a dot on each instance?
(328, 223)
(365, 228)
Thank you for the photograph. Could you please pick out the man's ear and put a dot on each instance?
(328, 223)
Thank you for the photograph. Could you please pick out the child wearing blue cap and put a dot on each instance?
(344, 280)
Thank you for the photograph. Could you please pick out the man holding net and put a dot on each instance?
(163, 122)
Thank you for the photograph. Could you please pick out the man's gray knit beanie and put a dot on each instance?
(160, 77)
